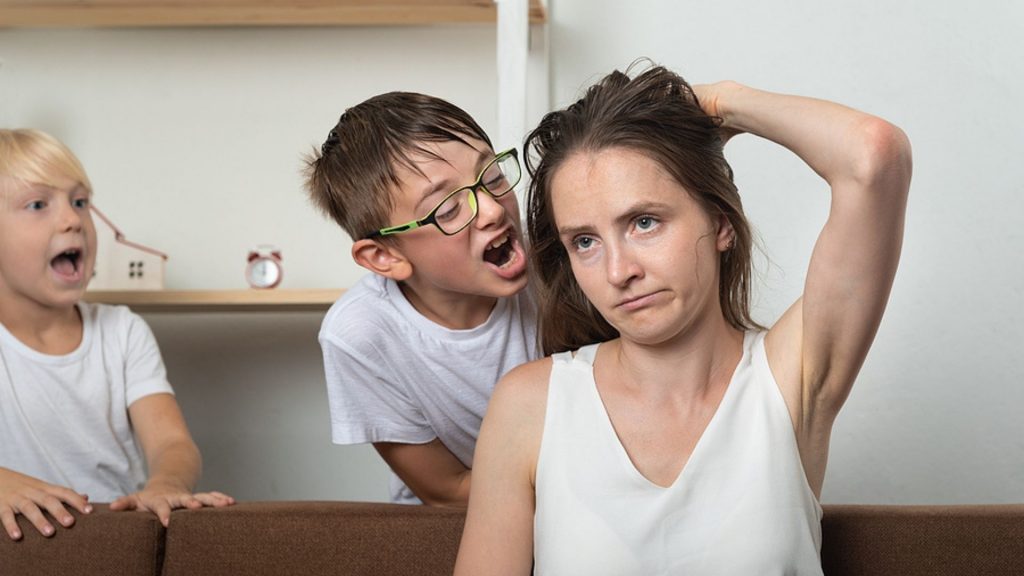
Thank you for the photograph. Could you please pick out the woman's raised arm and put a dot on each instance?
(818, 346)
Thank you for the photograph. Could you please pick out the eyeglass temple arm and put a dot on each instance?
(395, 229)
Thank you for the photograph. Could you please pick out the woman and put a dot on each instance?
(681, 437)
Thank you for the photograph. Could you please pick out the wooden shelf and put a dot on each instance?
(219, 300)
(171, 13)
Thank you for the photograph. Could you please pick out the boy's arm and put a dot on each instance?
(28, 496)
(370, 403)
(430, 470)
(173, 460)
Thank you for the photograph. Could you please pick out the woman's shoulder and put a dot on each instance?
(523, 390)
(529, 378)
(514, 423)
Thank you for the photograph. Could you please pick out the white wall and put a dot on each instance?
(936, 413)
(193, 139)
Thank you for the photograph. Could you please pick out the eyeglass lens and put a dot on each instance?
(460, 208)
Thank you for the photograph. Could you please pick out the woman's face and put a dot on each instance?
(641, 248)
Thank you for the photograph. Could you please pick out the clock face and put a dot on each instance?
(263, 273)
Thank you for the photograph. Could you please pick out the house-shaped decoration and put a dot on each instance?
(124, 265)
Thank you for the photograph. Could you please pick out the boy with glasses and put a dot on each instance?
(412, 351)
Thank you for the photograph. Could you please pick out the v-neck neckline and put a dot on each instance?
(591, 353)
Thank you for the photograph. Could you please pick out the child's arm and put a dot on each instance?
(173, 460)
(28, 496)
(430, 470)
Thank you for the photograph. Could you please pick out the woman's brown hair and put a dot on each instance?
(656, 114)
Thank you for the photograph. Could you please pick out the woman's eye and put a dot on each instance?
(583, 243)
(37, 205)
(645, 222)
(81, 202)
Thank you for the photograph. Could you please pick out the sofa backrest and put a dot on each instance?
(348, 538)
(922, 540)
(338, 538)
(103, 542)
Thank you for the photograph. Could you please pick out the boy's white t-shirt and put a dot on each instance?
(395, 376)
(64, 419)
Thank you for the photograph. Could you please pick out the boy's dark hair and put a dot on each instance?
(353, 177)
(658, 115)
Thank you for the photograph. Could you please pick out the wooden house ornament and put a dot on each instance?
(122, 264)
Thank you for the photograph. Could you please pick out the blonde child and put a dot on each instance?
(85, 406)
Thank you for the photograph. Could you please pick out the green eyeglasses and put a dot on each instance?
(459, 207)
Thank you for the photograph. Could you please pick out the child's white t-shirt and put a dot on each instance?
(395, 376)
(64, 419)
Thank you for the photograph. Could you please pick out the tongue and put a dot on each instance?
(64, 265)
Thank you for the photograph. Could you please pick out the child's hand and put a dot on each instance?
(28, 496)
(160, 499)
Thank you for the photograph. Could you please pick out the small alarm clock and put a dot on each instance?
(264, 269)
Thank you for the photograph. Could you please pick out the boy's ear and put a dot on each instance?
(382, 259)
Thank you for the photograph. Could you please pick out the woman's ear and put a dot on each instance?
(383, 259)
(726, 237)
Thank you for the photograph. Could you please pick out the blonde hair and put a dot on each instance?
(34, 157)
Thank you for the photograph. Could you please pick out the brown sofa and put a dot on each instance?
(346, 538)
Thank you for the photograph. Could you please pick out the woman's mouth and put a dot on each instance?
(638, 302)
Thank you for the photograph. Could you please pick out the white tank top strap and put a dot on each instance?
(562, 358)
(585, 355)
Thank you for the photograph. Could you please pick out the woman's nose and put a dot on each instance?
(622, 265)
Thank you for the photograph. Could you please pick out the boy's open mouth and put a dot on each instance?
(67, 263)
(501, 251)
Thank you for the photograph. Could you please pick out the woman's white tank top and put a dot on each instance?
(741, 505)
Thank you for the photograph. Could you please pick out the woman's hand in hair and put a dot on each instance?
(714, 99)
